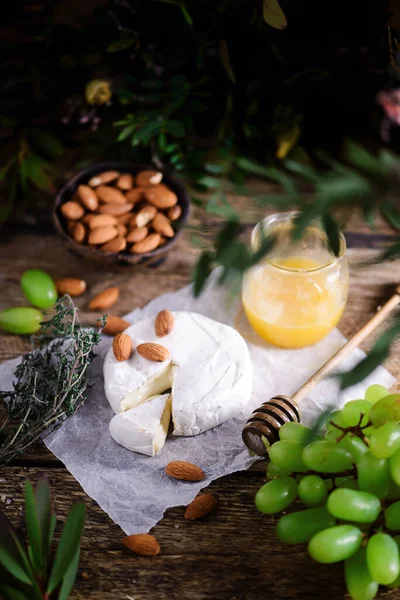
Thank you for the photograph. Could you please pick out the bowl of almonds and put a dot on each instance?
(121, 213)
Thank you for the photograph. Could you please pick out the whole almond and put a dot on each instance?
(161, 196)
(79, 233)
(147, 245)
(122, 346)
(161, 224)
(122, 230)
(145, 215)
(115, 325)
(124, 219)
(174, 212)
(110, 195)
(118, 244)
(164, 323)
(115, 209)
(137, 235)
(178, 469)
(87, 218)
(102, 221)
(134, 195)
(200, 507)
(70, 285)
(154, 352)
(72, 210)
(142, 543)
(88, 197)
(146, 178)
(101, 235)
(125, 181)
(163, 241)
(105, 177)
(106, 299)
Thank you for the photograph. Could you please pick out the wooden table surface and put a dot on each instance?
(232, 554)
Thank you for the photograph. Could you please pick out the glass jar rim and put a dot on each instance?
(290, 216)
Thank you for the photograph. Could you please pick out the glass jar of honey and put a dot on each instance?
(296, 295)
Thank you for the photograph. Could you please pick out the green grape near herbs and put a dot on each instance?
(39, 288)
(341, 479)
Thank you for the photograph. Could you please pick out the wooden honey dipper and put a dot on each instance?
(270, 416)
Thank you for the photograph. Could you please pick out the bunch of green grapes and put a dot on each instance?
(349, 482)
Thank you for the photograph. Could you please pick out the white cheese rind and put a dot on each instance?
(209, 370)
(143, 428)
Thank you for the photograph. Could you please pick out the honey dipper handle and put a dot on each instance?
(357, 338)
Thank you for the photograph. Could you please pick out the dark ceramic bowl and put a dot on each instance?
(98, 256)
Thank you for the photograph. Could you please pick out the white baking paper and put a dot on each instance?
(132, 488)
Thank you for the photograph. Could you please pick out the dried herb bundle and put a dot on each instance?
(50, 382)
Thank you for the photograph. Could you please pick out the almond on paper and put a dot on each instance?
(102, 221)
(179, 469)
(79, 233)
(72, 210)
(122, 346)
(161, 196)
(125, 181)
(201, 506)
(146, 178)
(105, 177)
(142, 543)
(115, 209)
(147, 245)
(134, 195)
(161, 224)
(174, 212)
(118, 244)
(110, 195)
(137, 235)
(154, 352)
(70, 285)
(164, 323)
(101, 235)
(88, 197)
(145, 215)
(106, 299)
(115, 325)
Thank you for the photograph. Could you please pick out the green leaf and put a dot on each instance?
(47, 142)
(359, 157)
(175, 128)
(11, 593)
(126, 132)
(43, 509)
(52, 527)
(362, 369)
(333, 233)
(391, 213)
(13, 566)
(33, 528)
(68, 546)
(391, 253)
(226, 236)
(186, 14)
(145, 133)
(69, 577)
(273, 14)
(271, 173)
(120, 45)
(306, 171)
(218, 205)
(225, 59)
(215, 169)
(201, 272)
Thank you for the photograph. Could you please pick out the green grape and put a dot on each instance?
(394, 491)
(20, 320)
(275, 471)
(287, 455)
(296, 432)
(353, 505)
(385, 441)
(348, 483)
(335, 543)
(376, 392)
(337, 418)
(312, 490)
(276, 495)
(300, 527)
(359, 583)
(352, 412)
(39, 288)
(392, 516)
(396, 583)
(327, 457)
(383, 558)
(350, 442)
(373, 475)
(385, 410)
(394, 462)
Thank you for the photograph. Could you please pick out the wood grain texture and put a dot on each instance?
(233, 554)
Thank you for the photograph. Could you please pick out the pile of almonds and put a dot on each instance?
(119, 212)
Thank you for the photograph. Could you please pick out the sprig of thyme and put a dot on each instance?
(51, 381)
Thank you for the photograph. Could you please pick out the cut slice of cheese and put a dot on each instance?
(209, 372)
(145, 427)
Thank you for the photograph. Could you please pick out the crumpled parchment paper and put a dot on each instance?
(132, 488)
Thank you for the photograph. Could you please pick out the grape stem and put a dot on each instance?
(355, 430)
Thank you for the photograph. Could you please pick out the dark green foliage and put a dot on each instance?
(35, 572)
